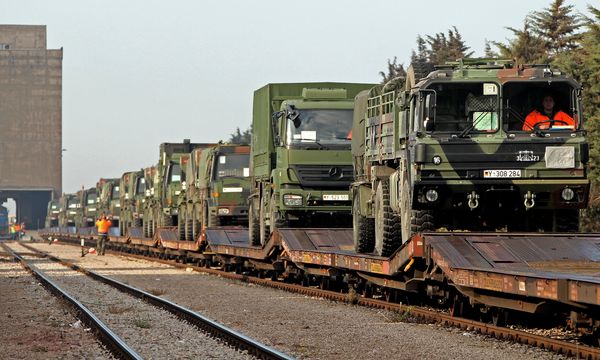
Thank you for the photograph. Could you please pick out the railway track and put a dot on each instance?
(119, 347)
(424, 314)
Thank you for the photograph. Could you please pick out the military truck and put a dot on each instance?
(52, 213)
(448, 149)
(301, 162)
(216, 189)
(89, 208)
(109, 203)
(150, 176)
(161, 207)
(70, 210)
(132, 196)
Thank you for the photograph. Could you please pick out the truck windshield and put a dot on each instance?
(115, 192)
(175, 173)
(460, 107)
(535, 106)
(91, 198)
(72, 203)
(233, 165)
(140, 187)
(321, 126)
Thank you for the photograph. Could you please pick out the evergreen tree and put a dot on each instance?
(583, 64)
(239, 137)
(393, 71)
(526, 47)
(557, 27)
(488, 52)
(450, 48)
(421, 54)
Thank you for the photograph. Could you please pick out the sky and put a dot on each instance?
(138, 73)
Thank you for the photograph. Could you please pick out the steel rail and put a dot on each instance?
(502, 333)
(112, 341)
(230, 336)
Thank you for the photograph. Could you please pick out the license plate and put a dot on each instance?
(340, 197)
(501, 173)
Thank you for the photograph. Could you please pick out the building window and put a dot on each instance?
(4, 46)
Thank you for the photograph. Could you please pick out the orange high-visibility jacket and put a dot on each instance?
(103, 226)
(535, 117)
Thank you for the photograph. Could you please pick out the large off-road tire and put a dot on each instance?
(363, 229)
(567, 220)
(213, 220)
(417, 71)
(387, 225)
(253, 225)
(265, 231)
(422, 220)
(189, 228)
(167, 220)
(196, 225)
(181, 219)
(277, 221)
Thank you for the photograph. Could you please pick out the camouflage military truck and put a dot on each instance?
(52, 213)
(132, 196)
(161, 207)
(70, 210)
(89, 208)
(449, 149)
(110, 202)
(301, 164)
(216, 189)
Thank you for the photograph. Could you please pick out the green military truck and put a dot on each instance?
(52, 213)
(216, 189)
(132, 196)
(89, 208)
(448, 149)
(109, 202)
(161, 207)
(70, 210)
(301, 165)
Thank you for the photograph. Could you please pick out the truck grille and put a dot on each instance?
(327, 176)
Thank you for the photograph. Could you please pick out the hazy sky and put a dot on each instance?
(138, 73)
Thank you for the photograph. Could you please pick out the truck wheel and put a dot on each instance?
(167, 220)
(196, 227)
(189, 228)
(253, 226)
(213, 220)
(567, 220)
(181, 219)
(265, 231)
(363, 229)
(421, 220)
(387, 225)
(277, 222)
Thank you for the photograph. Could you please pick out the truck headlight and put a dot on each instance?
(151, 191)
(183, 185)
(148, 192)
(292, 200)
(118, 205)
(567, 194)
(431, 195)
(223, 211)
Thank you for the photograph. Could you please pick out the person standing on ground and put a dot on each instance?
(103, 224)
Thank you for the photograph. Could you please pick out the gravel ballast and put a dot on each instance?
(36, 325)
(304, 327)
(152, 332)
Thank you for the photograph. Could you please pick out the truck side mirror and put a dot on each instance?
(293, 115)
(429, 105)
(274, 128)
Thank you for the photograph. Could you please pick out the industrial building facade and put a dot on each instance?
(30, 121)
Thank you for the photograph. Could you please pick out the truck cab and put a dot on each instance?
(70, 210)
(89, 205)
(132, 196)
(301, 160)
(52, 213)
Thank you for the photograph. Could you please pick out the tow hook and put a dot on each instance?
(473, 200)
(529, 200)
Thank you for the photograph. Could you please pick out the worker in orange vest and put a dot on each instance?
(103, 224)
(548, 113)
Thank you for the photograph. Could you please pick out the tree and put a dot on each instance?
(421, 54)
(393, 71)
(526, 47)
(450, 48)
(239, 137)
(583, 63)
(488, 52)
(557, 27)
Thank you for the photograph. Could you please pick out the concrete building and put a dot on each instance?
(30, 121)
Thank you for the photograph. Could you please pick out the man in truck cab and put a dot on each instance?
(545, 117)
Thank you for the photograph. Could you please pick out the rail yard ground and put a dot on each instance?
(300, 326)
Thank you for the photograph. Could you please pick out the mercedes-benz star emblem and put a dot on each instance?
(336, 173)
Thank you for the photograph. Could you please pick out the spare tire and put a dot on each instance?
(417, 71)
